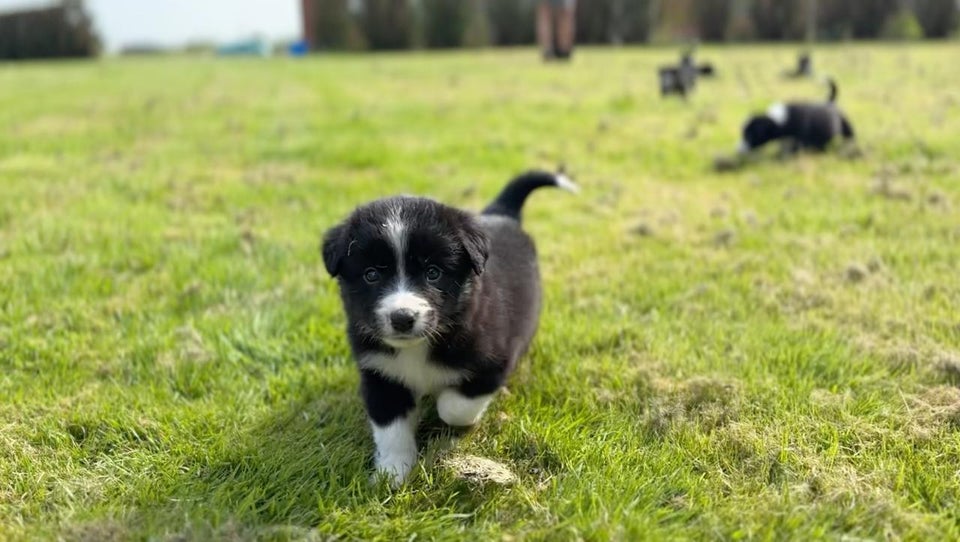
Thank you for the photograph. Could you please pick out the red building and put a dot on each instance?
(310, 12)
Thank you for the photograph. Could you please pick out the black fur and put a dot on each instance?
(438, 235)
(682, 79)
(385, 399)
(510, 201)
(677, 80)
(484, 307)
(804, 67)
(806, 125)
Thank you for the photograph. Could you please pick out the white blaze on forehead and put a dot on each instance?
(396, 233)
(778, 113)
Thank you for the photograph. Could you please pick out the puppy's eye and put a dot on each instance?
(371, 275)
(433, 273)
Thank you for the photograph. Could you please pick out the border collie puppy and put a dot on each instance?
(682, 79)
(439, 302)
(804, 67)
(798, 124)
(677, 80)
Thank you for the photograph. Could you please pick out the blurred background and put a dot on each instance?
(77, 28)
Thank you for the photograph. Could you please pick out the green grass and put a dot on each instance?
(775, 357)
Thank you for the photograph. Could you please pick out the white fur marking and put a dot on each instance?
(743, 147)
(778, 113)
(460, 411)
(402, 299)
(496, 220)
(565, 183)
(411, 368)
(396, 234)
(396, 448)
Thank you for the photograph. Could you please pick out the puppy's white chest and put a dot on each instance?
(411, 368)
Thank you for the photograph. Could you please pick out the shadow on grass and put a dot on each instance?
(303, 466)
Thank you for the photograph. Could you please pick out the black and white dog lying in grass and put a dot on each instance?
(798, 125)
(438, 301)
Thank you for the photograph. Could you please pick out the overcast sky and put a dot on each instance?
(174, 22)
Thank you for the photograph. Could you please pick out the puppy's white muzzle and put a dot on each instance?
(403, 318)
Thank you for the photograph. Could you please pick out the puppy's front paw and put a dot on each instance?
(396, 449)
(394, 468)
(458, 410)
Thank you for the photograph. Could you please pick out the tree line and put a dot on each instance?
(60, 31)
(403, 24)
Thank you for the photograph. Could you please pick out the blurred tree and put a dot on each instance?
(512, 21)
(477, 33)
(613, 21)
(673, 19)
(445, 22)
(902, 25)
(61, 31)
(778, 19)
(199, 47)
(713, 16)
(939, 18)
(332, 24)
(833, 20)
(740, 25)
(396, 24)
(867, 17)
(631, 21)
(594, 21)
(387, 24)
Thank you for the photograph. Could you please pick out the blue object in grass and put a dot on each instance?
(298, 48)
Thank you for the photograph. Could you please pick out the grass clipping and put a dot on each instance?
(480, 470)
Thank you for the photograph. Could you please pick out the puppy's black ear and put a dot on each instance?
(334, 248)
(476, 244)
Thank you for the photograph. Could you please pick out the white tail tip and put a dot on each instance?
(565, 183)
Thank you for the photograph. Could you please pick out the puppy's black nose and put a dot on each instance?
(402, 320)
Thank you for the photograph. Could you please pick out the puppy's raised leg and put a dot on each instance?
(393, 417)
(846, 129)
(464, 405)
(788, 148)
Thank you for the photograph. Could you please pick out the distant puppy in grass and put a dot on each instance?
(438, 301)
(798, 125)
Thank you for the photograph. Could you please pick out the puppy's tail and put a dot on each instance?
(832, 85)
(510, 201)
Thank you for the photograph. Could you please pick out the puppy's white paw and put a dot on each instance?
(457, 410)
(394, 469)
(396, 449)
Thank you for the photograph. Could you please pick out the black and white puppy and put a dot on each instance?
(798, 125)
(439, 302)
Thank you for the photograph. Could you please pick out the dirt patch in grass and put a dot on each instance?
(885, 187)
(949, 367)
(934, 410)
(706, 402)
(932, 360)
(479, 470)
(97, 531)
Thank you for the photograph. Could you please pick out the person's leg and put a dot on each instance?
(545, 28)
(566, 28)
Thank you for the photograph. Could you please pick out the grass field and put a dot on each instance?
(772, 353)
